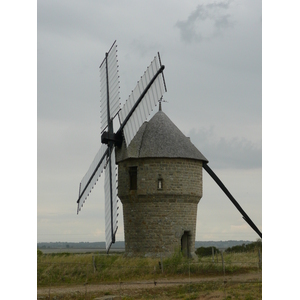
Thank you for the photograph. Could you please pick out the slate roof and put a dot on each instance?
(160, 137)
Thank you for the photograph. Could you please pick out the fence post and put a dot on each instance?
(87, 272)
(94, 264)
(50, 282)
(223, 265)
(213, 254)
(259, 259)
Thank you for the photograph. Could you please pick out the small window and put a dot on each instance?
(133, 178)
(160, 183)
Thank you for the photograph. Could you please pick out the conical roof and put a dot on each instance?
(160, 137)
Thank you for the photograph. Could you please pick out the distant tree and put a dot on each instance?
(254, 246)
(206, 251)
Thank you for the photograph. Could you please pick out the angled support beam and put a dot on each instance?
(235, 203)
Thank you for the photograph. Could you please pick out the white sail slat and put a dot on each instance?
(145, 107)
(109, 71)
(91, 176)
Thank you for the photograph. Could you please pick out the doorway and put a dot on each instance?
(185, 243)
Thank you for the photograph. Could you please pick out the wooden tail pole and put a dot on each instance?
(235, 203)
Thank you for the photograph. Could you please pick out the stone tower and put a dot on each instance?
(159, 185)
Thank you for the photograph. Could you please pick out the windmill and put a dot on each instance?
(144, 97)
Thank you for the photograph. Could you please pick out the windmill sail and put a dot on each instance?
(91, 176)
(135, 111)
(109, 86)
(111, 201)
(142, 100)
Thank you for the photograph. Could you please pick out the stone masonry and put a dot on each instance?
(155, 219)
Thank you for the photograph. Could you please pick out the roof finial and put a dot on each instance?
(159, 109)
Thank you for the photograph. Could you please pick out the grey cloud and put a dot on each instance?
(76, 22)
(227, 153)
(144, 47)
(216, 17)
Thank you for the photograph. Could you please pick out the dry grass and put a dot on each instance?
(66, 268)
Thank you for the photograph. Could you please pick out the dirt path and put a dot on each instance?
(138, 285)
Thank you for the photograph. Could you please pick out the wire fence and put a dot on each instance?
(115, 271)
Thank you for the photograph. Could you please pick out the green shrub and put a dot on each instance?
(39, 253)
(173, 264)
(206, 251)
(254, 246)
(60, 254)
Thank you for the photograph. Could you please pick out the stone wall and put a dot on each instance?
(155, 219)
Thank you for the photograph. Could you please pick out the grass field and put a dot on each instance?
(133, 278)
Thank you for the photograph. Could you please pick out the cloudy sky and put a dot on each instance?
(212, 51)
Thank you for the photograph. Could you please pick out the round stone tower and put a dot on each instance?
(159, 185)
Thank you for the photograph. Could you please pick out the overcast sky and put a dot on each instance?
(212, 52)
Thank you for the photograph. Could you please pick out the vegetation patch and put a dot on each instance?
(67, 269)
(206, 251)
(255, 246)
(87, 268)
